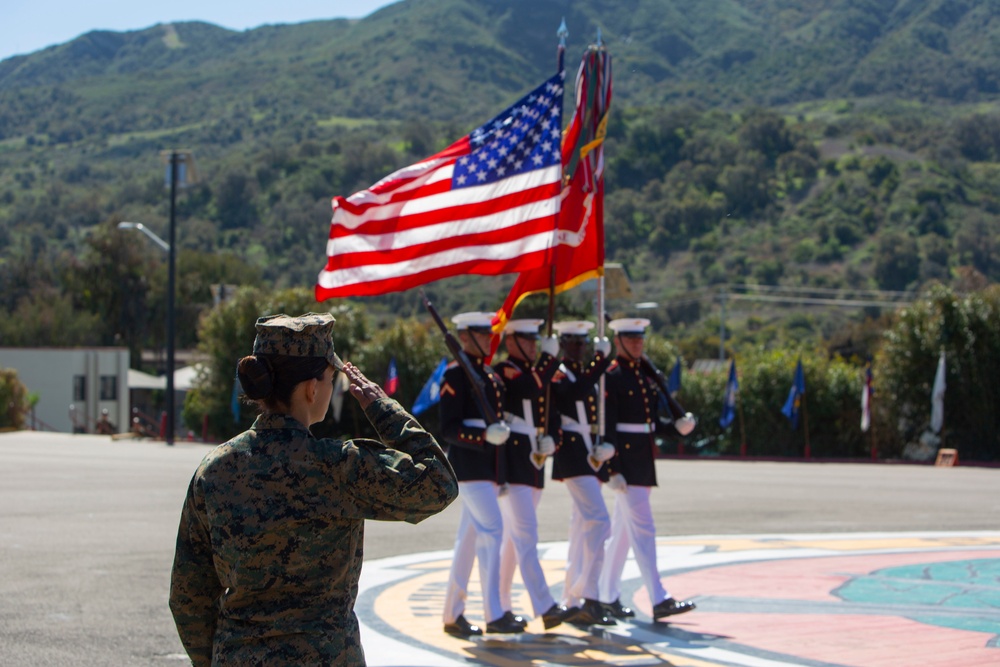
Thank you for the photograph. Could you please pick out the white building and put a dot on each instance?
(88, 379)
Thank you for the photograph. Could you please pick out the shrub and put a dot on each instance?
(13, 400)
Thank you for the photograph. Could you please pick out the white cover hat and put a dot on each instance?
(475, 320)
(523, 326)
(573, 328)
(629, 325)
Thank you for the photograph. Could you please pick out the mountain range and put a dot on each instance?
(822, 143)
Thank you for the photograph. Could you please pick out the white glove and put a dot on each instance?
(602, 346)
(603, 452)
(617, 483)
(685, 424)
(546, 445)
(497, 434)
(550, 345)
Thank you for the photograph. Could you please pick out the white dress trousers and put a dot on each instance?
(480, 535)
(631, 525)
(520, 547)
(589, 529)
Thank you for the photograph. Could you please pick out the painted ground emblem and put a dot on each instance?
(763, 601)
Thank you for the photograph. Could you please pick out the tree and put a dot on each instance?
(897, 261)
(967, 329)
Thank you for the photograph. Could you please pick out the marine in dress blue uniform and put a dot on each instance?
(481, 467)
(631, 404)
(579, 463)
(534, 433)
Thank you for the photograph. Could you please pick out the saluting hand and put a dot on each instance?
(362, 388)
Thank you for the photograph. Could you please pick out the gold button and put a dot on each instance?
(628, 446)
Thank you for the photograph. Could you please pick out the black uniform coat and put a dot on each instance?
(470, 455)
(579, 385)
(632, 398)
(526, 381)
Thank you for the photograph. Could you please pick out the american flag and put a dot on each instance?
(487, 205)
(579, 255)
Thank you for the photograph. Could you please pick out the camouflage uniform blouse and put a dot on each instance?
(271, 536)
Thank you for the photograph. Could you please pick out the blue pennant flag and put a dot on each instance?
(793, 405)
(431, 393)
(729, 401)
(674, 381)
(234, 403)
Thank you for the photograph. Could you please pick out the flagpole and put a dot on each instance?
(805, 425)
(743, 432)
(871, 427)
(562, 33)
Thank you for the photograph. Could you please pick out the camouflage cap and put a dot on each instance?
(307, 335)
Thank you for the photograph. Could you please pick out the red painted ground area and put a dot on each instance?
(800, 578)
(860, 641)
(857, 640)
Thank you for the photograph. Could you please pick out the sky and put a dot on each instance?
(30, 25)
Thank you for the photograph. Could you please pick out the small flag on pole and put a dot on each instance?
(674, 381)
(866, 400)
(392, 378)
(729, 401)
(937, 396)
(431, 393)
(793, 405)
(234, 403)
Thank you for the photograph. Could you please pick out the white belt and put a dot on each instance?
(645, 427)
(474, 423)
(570, 424)
(519, 425)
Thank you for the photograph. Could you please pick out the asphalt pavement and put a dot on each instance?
(87, 527)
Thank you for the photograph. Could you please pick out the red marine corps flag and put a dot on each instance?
(485, 205)
(579, 255)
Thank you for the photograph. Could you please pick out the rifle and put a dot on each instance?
(676, 411)
(487, 409)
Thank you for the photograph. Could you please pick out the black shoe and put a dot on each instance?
(555, 615)
(617, 610)
(671, 607)
(504, 626)
(511, 616)
(462, 628)
(597, 613)
(591, 612)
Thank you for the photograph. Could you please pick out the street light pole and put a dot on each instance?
(171, 288)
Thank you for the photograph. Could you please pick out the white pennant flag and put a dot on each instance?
(937, 397)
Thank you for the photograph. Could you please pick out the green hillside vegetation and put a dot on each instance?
(800, 145)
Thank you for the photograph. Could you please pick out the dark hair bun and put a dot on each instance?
(256, 377)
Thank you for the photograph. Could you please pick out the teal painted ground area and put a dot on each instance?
(952, 586)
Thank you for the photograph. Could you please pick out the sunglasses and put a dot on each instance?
(632, 335)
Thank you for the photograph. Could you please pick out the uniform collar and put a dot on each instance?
(277, 421)
(627, 363)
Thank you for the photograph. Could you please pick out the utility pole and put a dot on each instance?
(722, 325)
